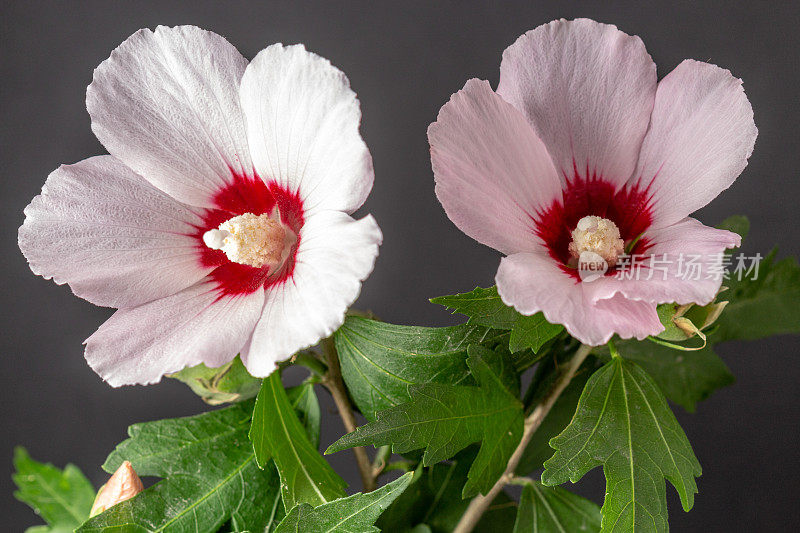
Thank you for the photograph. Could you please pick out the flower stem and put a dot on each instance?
(480, 503)
(333, 382)
(381, 460)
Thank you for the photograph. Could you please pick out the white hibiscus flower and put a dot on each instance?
(220, 222)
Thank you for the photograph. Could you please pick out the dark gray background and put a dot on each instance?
(404, 59)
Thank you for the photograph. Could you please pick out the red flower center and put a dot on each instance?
(246, 194)
(629, 208)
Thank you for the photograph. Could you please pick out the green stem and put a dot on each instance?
(613, 349)
(381, 460)
(308, 360)
(674, 346)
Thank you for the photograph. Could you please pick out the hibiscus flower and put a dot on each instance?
(581, 152)
(220, 222)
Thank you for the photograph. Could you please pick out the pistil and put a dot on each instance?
(255, 240)
(598, 235)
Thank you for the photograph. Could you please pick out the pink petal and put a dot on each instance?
(588, 90)
(671, 278)
(492, 173)
(701, 136)
(336, 254)
(117, 240)
(532, 282)
(139, 345)
(166, 103)
(302, 124)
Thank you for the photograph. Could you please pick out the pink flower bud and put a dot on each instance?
(123, 485)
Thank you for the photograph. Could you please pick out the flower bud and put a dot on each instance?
(215, 386)
(682, 322)
(123, 485)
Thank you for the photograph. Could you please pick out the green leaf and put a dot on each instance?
(211, 477)
(353, 514)
(555, 510)
(304, 402)
(444, 419)
(501, 363)
(215, 386)
(739, 224)
(63, 498)
(532, 332)
(380, 361)
(624, 424)
(761, 305)
(277, 434)
(483, 307)
(684, 377)
(434, 499)
(49, 529)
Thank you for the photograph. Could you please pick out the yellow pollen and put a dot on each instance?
(254, 240)
(598, 235)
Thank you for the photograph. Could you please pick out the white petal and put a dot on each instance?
(684, 266)
(532, 282)
(117, 240)
(197, 325)
(701, 136)
(492, 173)
(336, 254)
(588, 90)
(166, 103)
(302, 123)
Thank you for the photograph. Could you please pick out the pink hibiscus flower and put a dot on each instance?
(219, 223)
(581, 151)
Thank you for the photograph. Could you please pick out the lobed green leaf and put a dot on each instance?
(483, 307)
(623, 424)
(532, 332)
(277, 434)
(353, 514)
(380, 361)
(444, 419)
(211, 477)
(685, 377)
